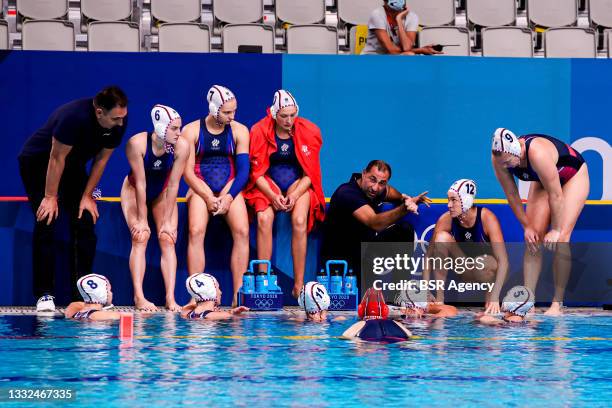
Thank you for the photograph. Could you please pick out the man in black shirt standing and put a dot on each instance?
(355, 214)
(53, 168)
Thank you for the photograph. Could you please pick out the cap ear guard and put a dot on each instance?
(466, 190)
(519, 300)
(372, 305)
(505, 141)
(282, 99)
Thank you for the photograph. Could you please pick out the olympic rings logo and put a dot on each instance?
(337, 304)
(264, 303)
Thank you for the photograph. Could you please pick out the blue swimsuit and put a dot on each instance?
(193, 315)
(214, 160)
(568, 163)
(284, 166)
(84, 315)
(157, 171)
(474, 234)
(382, 330)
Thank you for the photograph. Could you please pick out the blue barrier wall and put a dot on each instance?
(431, 118)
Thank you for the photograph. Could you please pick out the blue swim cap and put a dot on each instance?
(397, 5)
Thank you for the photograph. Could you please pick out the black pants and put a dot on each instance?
(350, 250)
(82, 240)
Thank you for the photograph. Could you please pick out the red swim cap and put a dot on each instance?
(373, 305)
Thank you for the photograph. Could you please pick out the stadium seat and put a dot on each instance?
(507, 42)
(113, 36)
(176, 11)
(238, 11)
(600, 13)
(4, 36)
(570, 42)
(356, 11)
(184, 37)
(433, 12)
(106, 10)
(300, 12)
(248, 38)
(42, 9)
(552, 13)
(312, 39)
(447, 36)
(49, 35)
(490, 13)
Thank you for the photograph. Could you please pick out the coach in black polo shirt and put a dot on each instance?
(53, 168)
(355, 215)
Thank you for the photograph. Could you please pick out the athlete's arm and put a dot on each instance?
(135, 151)
(193, 181)
(378, 222)
(97, 168)
(407, 39)
(544, 164)
(242, 165)
(442, 225)
(512, 194)
(72, 309)
(277, 200)
(48, 206)
(493, 230)
(300, 187)
(181, 153)
(352, 331)
(383, 38)
(104, 315)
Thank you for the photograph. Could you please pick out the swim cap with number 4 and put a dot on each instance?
(202, 287)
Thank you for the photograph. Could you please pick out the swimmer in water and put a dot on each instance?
(518, 302)
(96, 292)
(374, 325)
(204, 289)
(414, 303)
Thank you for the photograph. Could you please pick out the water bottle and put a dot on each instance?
(323, 278)
(335, 281)
(261, 282)
(350, 283)
(273, 282)
(248, 282)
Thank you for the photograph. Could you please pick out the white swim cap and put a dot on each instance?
(519, 300)
(202, 287)
(412, 299)
(162, 116)
(216, 97)
(506, 142)
(94, 288)
(466, 190)
(314, 298)
(282, 99)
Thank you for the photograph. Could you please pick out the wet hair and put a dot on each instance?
(380, 165)
(110, 97)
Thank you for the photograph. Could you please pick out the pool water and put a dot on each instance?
(272, 360)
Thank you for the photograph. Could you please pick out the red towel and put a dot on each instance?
(307, 139)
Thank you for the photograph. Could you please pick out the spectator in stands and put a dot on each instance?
(216, 172)
(157, 160)
(53, 167)
(392, 29)
(286, 176)
(355, 214)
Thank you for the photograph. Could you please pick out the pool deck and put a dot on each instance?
(290, 310)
